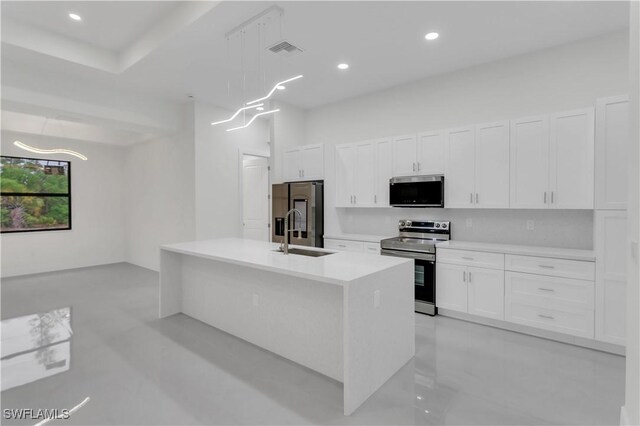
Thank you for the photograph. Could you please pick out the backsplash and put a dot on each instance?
(553, 228)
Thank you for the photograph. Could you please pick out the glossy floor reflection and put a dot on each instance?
(138, 369)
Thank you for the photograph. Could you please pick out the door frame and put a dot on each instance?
(254, 153)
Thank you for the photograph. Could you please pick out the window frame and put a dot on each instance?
(42, 194)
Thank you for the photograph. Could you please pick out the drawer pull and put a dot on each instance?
(547, 266)
(545, 316)
(467, 258)
(545, 289)
(341, 245)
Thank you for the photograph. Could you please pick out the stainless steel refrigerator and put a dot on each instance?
(307, 197)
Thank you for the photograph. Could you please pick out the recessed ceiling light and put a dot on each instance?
(432, 36)
(75, 17)
(343, 66)
(280, 87)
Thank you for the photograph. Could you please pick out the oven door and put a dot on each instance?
(424, 279)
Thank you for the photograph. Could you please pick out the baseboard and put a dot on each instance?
(624, 418)
(532, 331)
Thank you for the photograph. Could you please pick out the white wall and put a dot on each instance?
(159, 194)
(218, 193)
(98, 231)
(561, 78)
(632, 397)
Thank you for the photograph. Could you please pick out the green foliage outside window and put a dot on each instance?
(35, 194)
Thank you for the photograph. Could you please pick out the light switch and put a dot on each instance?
(376, 299)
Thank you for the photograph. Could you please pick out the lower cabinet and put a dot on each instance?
(564, 305)
(477, 291)
(352, 245)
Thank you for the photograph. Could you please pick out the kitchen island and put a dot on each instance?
(346, 315)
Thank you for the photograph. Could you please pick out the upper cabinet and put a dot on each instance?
(477, 171)
(612, 140)
(423, 154)
(362, 174)
(571, 159)
(303, 163)
(552, 161)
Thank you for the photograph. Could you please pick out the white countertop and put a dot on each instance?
(358, 237)
(561, 253)
(338, 268)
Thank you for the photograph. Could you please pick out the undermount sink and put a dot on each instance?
(303, 252)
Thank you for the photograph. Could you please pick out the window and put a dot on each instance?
(36, 194)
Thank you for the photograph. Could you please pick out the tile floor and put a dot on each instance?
(139, 369)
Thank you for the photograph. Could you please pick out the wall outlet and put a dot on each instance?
(531, 225)
(469, 223)
(376, 299)
(255, 299)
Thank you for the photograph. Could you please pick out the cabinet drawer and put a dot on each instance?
(575, 321)
(344, 245)
(548, 266)
(545, 291)
(373, 248)
(470, 258)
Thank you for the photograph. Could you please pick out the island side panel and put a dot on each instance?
(296, 318)
(378, 341)
(170, 284)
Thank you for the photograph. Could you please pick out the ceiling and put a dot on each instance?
(168, 50)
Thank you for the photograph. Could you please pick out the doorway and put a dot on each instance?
(255, 197)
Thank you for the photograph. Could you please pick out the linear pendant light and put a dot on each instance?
(275, 87)
(236, 114)
(49, 151)
(253, 118)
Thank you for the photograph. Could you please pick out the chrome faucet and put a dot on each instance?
(284, 246)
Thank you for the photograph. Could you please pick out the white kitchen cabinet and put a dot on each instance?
(612, 140)
(384, 171)
(610, 294)
(460, 171)
(572, 159)
(303, 163)
(529, 165)
(345, 160)
(431, 153)
(451, 290)
(485, 292)
(405, 154)
(477, 171)
(422, 154)
(552, 161)
(492, 165)
(365, 174)
(343, 245)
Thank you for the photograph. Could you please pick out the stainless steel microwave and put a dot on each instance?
(417, 191)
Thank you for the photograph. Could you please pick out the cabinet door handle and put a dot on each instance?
(547, 266)
(545, 316)
(414, 167)
(545, 289)
(467, 258)
(469, 277)
(476, 198)
(418, 166)
(551, 197)
(341, 245)
(355, 199)
(375, 199)
(464, 277)
(471, 197)
(545, 197)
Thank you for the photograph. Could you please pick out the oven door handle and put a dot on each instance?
(398, 253)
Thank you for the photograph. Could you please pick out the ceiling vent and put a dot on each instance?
(284, 48)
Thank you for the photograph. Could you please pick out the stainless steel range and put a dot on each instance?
(417, 240)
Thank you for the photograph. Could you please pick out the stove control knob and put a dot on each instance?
(401, 224)
(408, 223)
(437, 225)
(444, 225)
